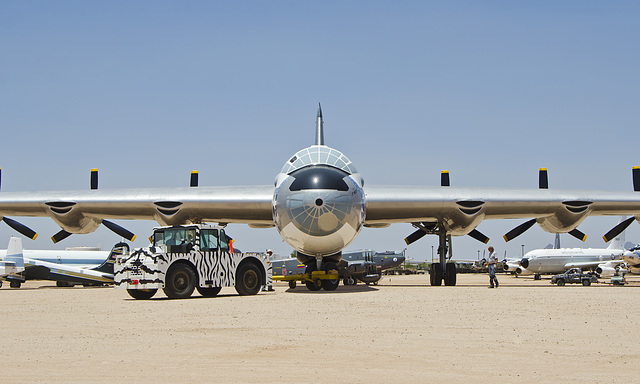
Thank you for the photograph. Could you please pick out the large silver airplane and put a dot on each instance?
(319, 203)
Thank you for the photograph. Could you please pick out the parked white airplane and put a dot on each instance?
(319, 203)
(83, 257)
(16, 268)
(604, 261)
(632, 258)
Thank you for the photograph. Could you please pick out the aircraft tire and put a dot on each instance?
(330, 285)
(436, 274)
(180, 282)
(292, 284)
(15, 284)
(314, 285)
(450, 279)
(142, 294)
(209, 292)
(0, 284)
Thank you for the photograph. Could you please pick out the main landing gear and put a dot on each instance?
(442, 270)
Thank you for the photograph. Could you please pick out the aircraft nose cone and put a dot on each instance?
(524, 262)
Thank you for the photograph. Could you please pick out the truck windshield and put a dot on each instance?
(208, 239)
(175, 239)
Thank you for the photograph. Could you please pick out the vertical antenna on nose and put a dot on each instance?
(319, 130)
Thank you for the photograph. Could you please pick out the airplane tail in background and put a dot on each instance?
(107, 265)
(618, 241)
(14, 260)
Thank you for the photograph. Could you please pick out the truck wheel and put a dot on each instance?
(180, 282)
(560, 282)
(586, 283)
(248, 280)
(142, 294)
(209, 292)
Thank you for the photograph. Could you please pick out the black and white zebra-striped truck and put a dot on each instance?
(187, 257)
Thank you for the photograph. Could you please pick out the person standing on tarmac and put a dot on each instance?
(492, 261)
(270, 287)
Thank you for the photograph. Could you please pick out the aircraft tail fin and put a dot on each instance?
(107, 265)
(618, 241)
(14, 260)
(319, 127)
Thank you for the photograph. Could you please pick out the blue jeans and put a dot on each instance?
(492, 275)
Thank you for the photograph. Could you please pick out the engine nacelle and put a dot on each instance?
(71, 220)
(567, 219)
(467, 215)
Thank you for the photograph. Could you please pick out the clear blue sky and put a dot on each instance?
(491, 91)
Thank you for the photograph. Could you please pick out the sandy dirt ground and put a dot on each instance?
(402, 330)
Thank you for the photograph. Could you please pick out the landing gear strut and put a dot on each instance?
(443, 270)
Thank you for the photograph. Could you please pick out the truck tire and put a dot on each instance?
(248, 280)
(586, 283)
(209, 292)
(180, 282)
(142, 294)
(560, 282)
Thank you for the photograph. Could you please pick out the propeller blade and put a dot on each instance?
(415, 236)
(479, 236)
(21, 228)
(578, 235)
(543, 179)
(519, 230)
(60, 236)
(615, 231)
(119, 230)
(444, 179)
(636, 178)
(94, 178)
(194, 179)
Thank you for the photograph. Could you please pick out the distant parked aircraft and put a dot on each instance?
(365, 265)
(16, 268)
(605, 261)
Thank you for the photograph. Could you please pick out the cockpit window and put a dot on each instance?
(319, 177)
(319, 155)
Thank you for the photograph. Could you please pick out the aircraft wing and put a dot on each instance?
(588, 264)
(463, 208)
(84, 211)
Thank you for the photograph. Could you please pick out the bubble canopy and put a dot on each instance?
(319, 154)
